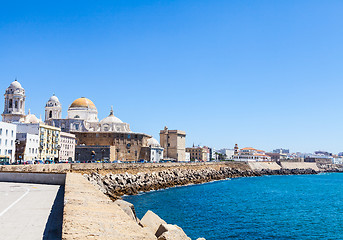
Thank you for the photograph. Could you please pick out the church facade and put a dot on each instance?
(96, 137)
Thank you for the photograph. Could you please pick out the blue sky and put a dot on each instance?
(265, 74)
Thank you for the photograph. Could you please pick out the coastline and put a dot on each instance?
(120, 184)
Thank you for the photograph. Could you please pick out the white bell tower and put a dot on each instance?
(14, 107)
(53, 108)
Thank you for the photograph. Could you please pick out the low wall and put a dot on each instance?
(117, 167)
(264, 165)
(39, 178)
(299, 165)
(90, 214)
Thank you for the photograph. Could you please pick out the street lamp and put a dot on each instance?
(58, 152)
(103, 153)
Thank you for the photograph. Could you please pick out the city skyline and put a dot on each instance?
(264, 75)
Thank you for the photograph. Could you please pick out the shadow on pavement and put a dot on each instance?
(53, 227)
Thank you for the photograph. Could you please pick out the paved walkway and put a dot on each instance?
(30, 211)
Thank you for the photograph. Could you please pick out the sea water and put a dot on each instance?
(268, 207)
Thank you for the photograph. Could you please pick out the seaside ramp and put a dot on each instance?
(264, 165)
(299, 165)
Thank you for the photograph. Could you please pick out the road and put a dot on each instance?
(30, 211)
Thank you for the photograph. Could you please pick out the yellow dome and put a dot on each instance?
(82, 103)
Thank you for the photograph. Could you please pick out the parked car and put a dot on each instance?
(38, 162)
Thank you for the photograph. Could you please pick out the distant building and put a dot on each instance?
(198, 153)
(281, 151)
(7, 142)
(174, 144)
(27, 147)
(320, 159)
(67, 150)
(323, 153)
(251, 154)
(277, 156)
(152, 153)
(226, 153)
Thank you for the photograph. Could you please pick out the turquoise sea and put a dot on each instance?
(268, 207)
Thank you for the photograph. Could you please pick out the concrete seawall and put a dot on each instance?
(39, 178)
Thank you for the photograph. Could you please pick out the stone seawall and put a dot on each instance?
(116, 185)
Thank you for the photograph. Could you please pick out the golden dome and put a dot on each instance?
(83, 103)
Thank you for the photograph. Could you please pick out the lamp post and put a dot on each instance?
(17, 142)
(58, 152)
(103, 153)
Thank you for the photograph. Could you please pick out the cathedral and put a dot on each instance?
(95, 138)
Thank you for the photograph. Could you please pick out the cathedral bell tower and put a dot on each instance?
(53, 109)
(14, 107)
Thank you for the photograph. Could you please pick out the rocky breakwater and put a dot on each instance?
(116, 185)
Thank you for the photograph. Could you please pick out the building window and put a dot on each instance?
(50, 114)
(6, 132)
(16, 104)
(0, 131)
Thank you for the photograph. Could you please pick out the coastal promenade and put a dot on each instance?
(26, 211)
(89, 214)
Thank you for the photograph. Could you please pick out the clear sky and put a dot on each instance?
(264, 74)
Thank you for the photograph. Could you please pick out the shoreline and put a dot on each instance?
(117, 185)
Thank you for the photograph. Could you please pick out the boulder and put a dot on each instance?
(170, 232)
(152, 221)
(128, 208)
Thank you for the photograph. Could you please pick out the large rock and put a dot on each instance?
(128, 208)
(152, 221)
(170, 232)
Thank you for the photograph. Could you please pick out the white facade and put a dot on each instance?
(14, 107)
(30, 144)
(156, 151)
(228, 153)
(188, 157)
(67, 143)
(7, 141)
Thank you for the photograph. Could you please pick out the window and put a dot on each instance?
(6, 142)
(0, 131)
(16, 104)
(11, 143)
(10, 103)
(50, 114)
(12, 133)
(6, 132)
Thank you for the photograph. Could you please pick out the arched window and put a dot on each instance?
(50, 114)
(10, 104)
(16, 104)
(77, 116)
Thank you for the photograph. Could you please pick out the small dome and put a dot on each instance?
(31, 118)
(53, 98)
(152, 142)
(111, 119)
(15, 85)
(83, 103)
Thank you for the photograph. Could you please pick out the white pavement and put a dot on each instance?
(25, 211)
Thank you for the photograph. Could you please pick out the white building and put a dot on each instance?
(67, 143)
(188, 157)
(156, 151)
(251, 154)
(227, 153)
(7, 142)
(27, 148)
